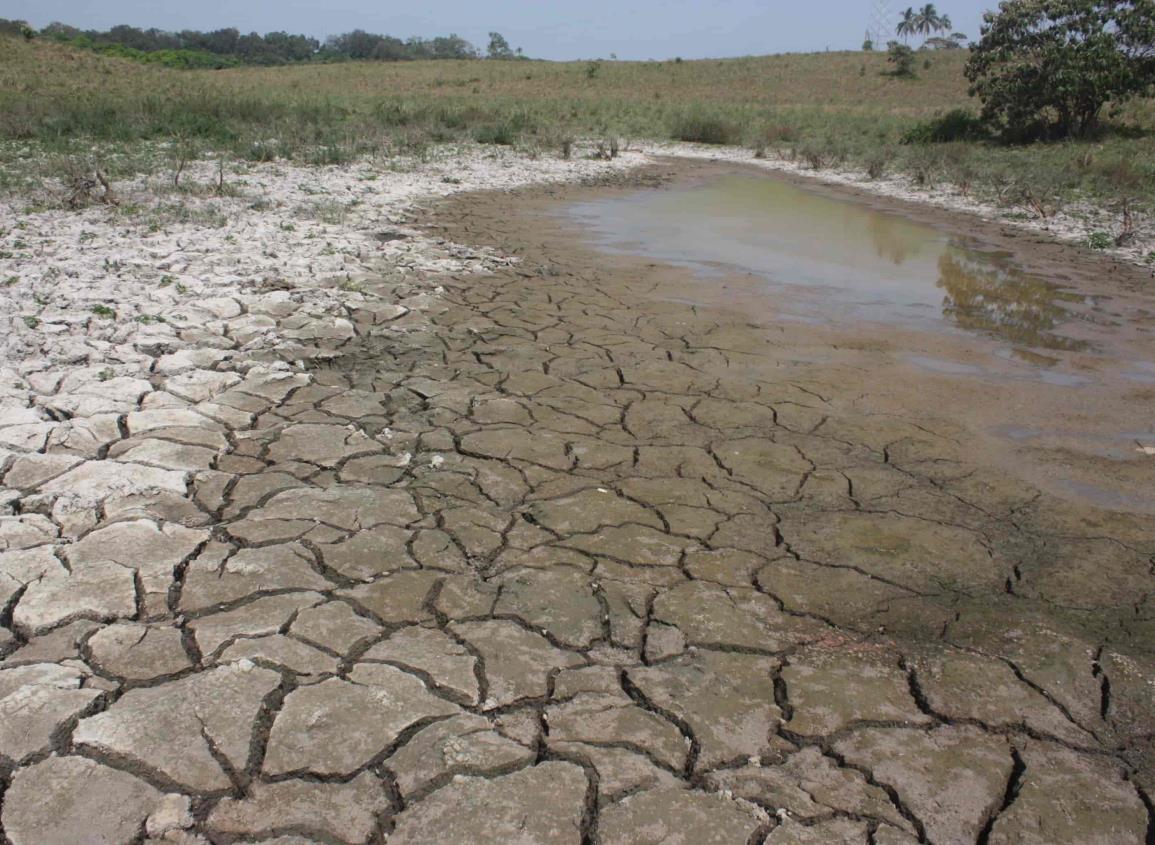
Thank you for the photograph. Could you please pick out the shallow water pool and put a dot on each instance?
(829, 258)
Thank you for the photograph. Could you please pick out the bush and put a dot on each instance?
(699, 128)
(1047, 67)
(955, 125)
(504, 133)
(902, 57)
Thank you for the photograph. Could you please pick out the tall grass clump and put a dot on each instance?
(699, 127)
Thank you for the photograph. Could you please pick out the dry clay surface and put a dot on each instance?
(400, 540)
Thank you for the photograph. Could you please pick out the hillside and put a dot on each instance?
(827, 109)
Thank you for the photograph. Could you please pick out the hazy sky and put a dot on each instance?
(576, 29)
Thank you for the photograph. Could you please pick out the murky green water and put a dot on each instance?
(837, 258)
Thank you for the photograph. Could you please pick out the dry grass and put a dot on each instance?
(826, 108)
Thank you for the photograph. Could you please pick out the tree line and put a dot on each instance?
(228, 47)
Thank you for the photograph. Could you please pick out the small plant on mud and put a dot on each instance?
(877, 163)
(82, 189)
(31, 322)
(104, 312)
(814, 157)
(10, 281)
(183, 151)
(607, 149)
(1100, 240)
(106, 374)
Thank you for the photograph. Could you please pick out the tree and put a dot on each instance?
(908, 25)
(498, 47)
(1046, 68)
(902, 57)
(927, 20)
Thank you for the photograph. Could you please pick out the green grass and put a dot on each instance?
(826, 109)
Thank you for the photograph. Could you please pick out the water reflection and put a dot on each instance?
(832, 258)
(894, 240)
(989, 294)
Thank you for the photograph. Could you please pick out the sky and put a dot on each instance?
(577, 29)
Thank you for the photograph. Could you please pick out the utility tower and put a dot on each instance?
(882, 22)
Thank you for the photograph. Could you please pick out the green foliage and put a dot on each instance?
(1046, 68)
(191, 49)
(499, 48)
(955, 125)
(1100, 240)
(901, 57)
(699, 127)
(505, 132)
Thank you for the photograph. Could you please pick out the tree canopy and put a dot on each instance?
(229, 46)
(1048, 67)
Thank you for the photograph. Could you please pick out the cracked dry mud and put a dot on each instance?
(556, 559)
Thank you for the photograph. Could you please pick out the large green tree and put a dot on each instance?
(1048, 67)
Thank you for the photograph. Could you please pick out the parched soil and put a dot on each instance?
(590, 551)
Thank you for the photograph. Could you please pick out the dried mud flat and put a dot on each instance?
(524, 543)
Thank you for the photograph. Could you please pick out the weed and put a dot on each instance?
(104, 312)
(11, 280)
(877, 164)
(32, 322)
(1100, 240)
(699, 127)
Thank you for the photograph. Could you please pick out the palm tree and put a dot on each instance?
(927, 20)
(908, 25)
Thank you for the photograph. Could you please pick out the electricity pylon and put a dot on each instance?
(882, 21)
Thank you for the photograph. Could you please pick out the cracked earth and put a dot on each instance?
(514, 549)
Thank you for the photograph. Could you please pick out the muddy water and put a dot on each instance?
(824, 258)
(1052, 355)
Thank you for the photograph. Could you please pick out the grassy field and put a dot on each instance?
(825, 109)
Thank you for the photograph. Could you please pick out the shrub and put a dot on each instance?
(1100, 240)
(955, 125)
(700, 128)
(503, 132)
(1047, 67)
(877, 163)
(902, 58)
